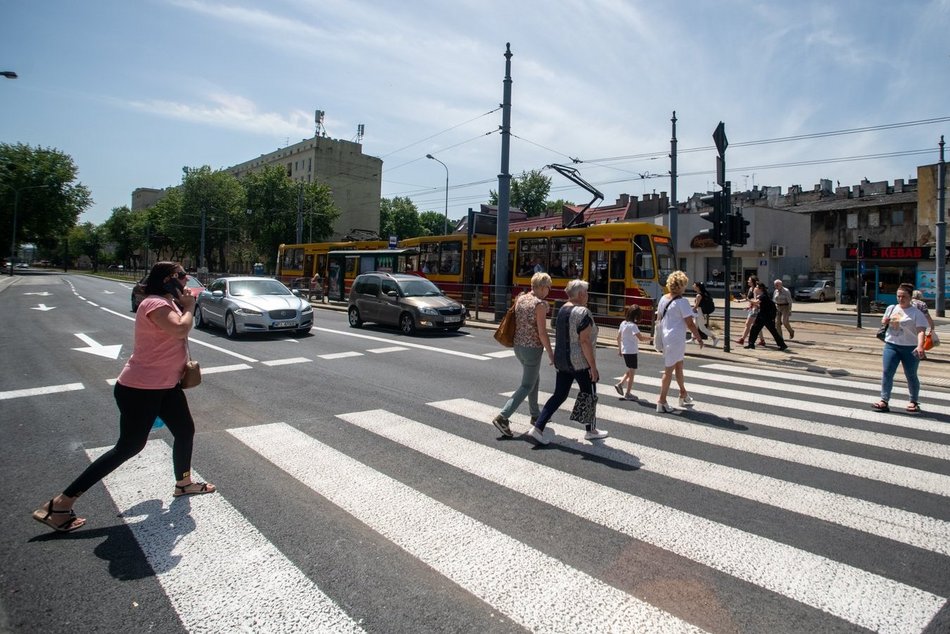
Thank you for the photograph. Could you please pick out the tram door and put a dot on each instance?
(606, 275)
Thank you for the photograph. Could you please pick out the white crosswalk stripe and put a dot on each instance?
(205, 541)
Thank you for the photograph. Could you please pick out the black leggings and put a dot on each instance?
(137, 412)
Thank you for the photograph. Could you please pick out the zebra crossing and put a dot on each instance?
(879, 483)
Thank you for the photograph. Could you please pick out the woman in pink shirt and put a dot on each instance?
(148, 386)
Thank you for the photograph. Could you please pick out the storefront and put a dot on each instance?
(882, 271)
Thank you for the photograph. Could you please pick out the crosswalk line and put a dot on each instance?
(762, 400)
(39, 391)
(406, 344)
(218, 369)
(340, 355)
(799, 425)
(537, 591)
(801, 377)
(387, 349)
(290, 361)
(860, 597)
(761, 393)
(672, 425)
(202, 549)
(876, 519)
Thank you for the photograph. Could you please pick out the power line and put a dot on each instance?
(410, 162)
(442, 132)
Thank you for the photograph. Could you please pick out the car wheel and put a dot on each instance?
(354, 316)
(200, 318)
(135, 306)
(821, 297)
(303, 332)
(407, 324)
(230, 328)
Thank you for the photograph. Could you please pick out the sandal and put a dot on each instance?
(913, 407)
(194, 488)
(45, 516)
(881, 406)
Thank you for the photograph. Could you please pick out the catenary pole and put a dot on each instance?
(504, 188)
(941, 255)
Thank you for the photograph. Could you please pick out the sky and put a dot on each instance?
(136, 90)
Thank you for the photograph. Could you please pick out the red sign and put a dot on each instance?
(892, 253)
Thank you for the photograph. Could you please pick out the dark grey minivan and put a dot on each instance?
(407, 301)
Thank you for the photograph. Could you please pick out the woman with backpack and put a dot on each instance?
(703, 307)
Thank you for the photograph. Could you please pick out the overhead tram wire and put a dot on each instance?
(440, 133)
(442, 149)
(800, 137)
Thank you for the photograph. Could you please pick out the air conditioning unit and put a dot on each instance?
(778, 250)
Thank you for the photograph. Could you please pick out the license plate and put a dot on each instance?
(452, 319)
(284, 324)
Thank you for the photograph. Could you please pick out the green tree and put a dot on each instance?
(41, 184)
(118, 229)
(399, 217)
(529, 193)
(273, 203)
(211, 202)
(432, 223)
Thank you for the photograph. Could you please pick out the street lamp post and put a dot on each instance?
(429, 156)
(16, 205)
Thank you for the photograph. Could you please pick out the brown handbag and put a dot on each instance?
(505, 333)
(191, 377)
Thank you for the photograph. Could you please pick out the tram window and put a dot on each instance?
(665, 258)
(532, 256)
(567, 254)
(451, 258)
(429, 256)
(643, 260)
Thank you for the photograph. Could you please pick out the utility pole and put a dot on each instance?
(941, 255)
(672, 209)
(719, 136)
(504, 189)
(300, 213)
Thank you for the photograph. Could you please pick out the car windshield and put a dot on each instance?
(419, 288)
(816, 284)
(250, 288)
(193, 283)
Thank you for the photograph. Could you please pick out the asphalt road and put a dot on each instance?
(362, 487)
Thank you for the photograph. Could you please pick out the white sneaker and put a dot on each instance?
(538, 435)
(687, 402)
(595, 434)
(715, 342)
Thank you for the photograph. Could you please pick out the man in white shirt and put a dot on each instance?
(783, 303)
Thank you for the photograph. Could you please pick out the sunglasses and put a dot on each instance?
(182, 275)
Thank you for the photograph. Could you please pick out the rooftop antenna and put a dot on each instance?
(318, 120)
(359, 133)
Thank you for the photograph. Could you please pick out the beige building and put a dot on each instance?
(354, 178)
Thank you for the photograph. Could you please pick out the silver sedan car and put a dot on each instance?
(252, 304)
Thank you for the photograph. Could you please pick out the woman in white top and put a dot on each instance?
(903, 345)
(676, 318)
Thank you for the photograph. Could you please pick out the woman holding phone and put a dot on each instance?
(148, 386)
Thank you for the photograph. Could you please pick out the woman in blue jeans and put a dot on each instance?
(903, 345)
(574, 358)
(531, 340)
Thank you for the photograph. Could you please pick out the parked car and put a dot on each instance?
(407, 301)
(252, 304)
(192, 285)
(816, 290)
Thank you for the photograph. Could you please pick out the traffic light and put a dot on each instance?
(864, 248)
(716, 216)
(738, 229)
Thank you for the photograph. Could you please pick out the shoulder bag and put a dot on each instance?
(882, 331)
(505, 333)
(191, 377)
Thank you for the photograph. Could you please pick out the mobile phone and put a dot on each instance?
(172, 287)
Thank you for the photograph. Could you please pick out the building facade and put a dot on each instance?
(354, 178)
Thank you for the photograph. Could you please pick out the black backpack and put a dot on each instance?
(706, 304)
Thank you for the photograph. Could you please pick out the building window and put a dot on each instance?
(827, 250)
(830, 219)
(874, 219)
(852, 220)
(897, 217)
